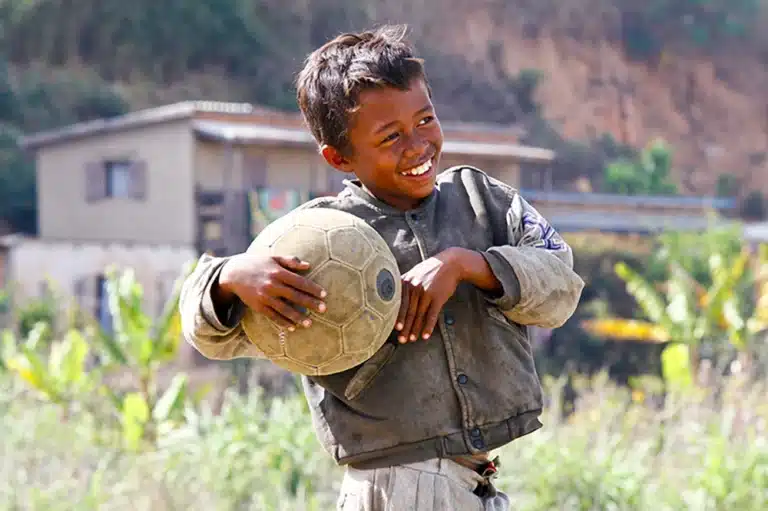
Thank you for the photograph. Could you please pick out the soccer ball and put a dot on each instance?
(353, 263)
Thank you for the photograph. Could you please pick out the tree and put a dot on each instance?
(649, 174)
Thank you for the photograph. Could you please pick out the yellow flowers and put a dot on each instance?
(619, 329)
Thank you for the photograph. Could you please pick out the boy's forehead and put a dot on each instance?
(381, 106)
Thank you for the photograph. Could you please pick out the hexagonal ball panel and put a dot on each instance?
(382, 285)
(363, 332)
(350, 246)
(307, 243)
(324, 218)
(314, 346)
(345, 291)
(272, 231)
(263, 333)
(379, 244)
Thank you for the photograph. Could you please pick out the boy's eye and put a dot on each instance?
(389, 137)
(426, 120)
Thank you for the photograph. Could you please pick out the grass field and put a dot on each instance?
(615, 452)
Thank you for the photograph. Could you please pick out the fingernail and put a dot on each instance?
(291, 328)
(413, 337)
(426, 336)
(401, 339)
(399, 326)
(321, 307)
(323, 294)
(306, 323)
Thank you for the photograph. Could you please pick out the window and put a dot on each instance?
(121, 178)
(118, 178)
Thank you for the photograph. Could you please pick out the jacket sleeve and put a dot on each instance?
(215, 333)
(535, 268)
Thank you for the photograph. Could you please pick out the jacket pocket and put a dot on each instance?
(368, 371)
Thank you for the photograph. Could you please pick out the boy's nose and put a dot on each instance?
(417, 146)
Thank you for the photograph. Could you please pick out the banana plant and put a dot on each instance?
(687, 314)
(136, 345)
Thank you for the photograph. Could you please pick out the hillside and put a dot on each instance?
(593, 79)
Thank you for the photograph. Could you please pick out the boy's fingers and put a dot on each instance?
(298, 298)
(276, 317)
(418, 320)
(413, 304)
(302, 284)
(430, 321)
(292, 263)
(289, 314)
(400, 323)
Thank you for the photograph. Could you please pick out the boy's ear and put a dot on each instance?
(335, 159)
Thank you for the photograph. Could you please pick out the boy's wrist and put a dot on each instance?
(221, 288)
(472, 267)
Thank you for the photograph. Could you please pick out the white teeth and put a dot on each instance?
(421, 169)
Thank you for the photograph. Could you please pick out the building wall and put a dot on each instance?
(73, 269)
(163, 214)
(253, 167)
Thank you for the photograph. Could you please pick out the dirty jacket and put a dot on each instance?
(472, 386)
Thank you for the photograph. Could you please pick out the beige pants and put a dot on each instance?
(433, 485)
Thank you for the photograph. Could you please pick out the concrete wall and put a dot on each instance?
(165, 215)
(73, 269)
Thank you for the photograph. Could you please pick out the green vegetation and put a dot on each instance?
(648, 174)
(652, 26)
(75, 434)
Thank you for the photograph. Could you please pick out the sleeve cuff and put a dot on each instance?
(226, 318)
(503, 271)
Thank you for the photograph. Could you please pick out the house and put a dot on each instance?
(154, 188)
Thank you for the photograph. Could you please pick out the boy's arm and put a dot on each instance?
(212, 328)
(535, 269)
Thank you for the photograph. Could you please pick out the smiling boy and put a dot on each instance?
(414, 425)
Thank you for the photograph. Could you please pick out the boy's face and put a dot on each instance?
(395, 142)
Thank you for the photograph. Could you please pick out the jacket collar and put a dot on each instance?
(356, 188)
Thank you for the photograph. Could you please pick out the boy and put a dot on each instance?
(478, 264)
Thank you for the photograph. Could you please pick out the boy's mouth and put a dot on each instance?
(419, 170)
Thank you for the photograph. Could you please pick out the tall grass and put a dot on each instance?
(619, 450)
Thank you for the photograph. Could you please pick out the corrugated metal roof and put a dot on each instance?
(608, 199)
(240, 133)
(149, 116)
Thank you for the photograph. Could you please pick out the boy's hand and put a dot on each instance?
(426, 288)
(269, 285)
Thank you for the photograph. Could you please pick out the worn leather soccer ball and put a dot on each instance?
(351, 261)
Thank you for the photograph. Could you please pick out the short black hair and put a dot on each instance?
(333, 76)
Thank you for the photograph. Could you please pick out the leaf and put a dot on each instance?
(172, 401)
(167, 332)
(676, 365)
(108, 342)
(28, 365)
(66, 362)
(642, 291)
(134, 418)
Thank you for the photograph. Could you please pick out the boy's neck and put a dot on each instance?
(416, 205)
